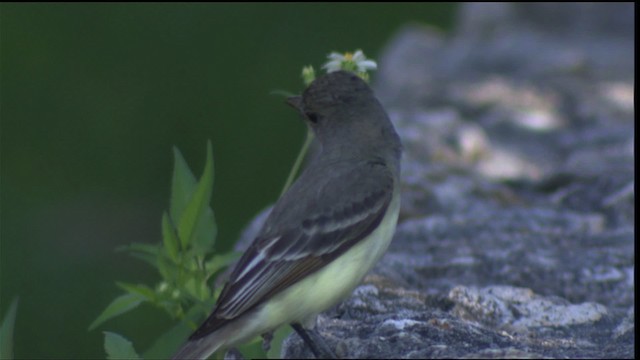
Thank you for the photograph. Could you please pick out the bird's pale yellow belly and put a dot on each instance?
(324, 288)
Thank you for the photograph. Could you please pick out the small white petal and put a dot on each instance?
(365, 65)
(358, 56)
(335, 56)
(333, 65)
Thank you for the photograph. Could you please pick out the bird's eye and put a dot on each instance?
(313, 117)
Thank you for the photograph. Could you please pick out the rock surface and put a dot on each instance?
(516, 236)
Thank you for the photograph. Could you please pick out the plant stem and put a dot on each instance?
(296, 165)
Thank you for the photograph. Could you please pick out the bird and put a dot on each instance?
(324, 233)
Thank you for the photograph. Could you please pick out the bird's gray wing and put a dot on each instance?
(308, 228)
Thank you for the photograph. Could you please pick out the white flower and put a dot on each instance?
(356, 62)
(363, 63)
(335, 62)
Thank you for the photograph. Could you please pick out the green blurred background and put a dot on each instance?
(93, 97)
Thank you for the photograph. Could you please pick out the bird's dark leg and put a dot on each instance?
(266, 340)
(315, 342)
(233, 354)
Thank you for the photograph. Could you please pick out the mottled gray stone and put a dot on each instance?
(516, 235)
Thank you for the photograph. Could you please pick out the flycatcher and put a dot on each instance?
(325, 233)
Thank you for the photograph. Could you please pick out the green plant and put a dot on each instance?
(184, 259)
(6, 331)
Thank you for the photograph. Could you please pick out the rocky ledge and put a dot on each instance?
(516, 236)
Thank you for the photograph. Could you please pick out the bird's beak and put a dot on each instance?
(296, 103)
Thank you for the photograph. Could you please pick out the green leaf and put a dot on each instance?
(183, 185)
(276, 344)
(252, 349)
(151, 249)
(117, 347)
(140, 289)
(169, 238)
(168, 343)
(173, 308)
(6, 331)
(149, 259)
(219, 262)
(197, 288)
(167, 269)
(145, 252)
(118, 306)
(205, 233)
(198, 202)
